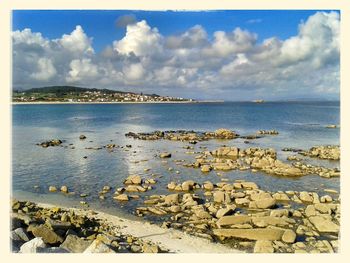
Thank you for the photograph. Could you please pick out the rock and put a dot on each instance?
(74, 244)
(165, 155)
(32, 245)
(306, 197)
(48, 236)
(82, 137)
(171, 199)
(225, 211)
(146, 248)
(281, 197)
(323, 208)
(230, 152)
(64, 189)
(263, 221)
(22, 234)
(242, 201)
(97, 246)
(289, 236)
(171, 185)
(310, 210)
(51, 250)
(279, 212)
(208, 186)
(221, 197)
(326, 199)
(187, 185)
(133, 179)
(106, 188)
(135, 188)
(324, 225)
(136, 249)
(233, 220)
(174, 209)
(263, 203)
(263, 246)
(249, 185)
(58, 225)
(52, 188)
(224, 134)
(206, 168)
(251, 234)
(121, 197)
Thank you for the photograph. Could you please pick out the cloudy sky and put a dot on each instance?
(230, 55)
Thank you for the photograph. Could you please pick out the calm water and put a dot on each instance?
(301, 125)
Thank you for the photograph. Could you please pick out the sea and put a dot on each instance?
(300, 125)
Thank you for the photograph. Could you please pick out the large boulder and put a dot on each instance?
(32, 245)
(48, 236)
(324, 224)
(75, 244)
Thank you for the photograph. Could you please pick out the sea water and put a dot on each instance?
(300, 125)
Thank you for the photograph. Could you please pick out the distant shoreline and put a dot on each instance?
(117, 102)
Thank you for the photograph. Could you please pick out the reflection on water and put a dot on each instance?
(103, 124)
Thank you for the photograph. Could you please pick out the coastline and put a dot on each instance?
(117, 102)
(173, 240)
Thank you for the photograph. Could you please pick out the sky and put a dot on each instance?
(231, 55)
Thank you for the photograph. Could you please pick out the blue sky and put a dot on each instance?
(240, 54)
(101, 24)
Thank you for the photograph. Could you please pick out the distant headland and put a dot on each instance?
(72, 94)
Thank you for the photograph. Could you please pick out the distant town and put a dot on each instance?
(77, 94)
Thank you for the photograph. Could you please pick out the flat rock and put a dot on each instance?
(263, 246)
(121, 197)
(251, 234)
(264, 221)
(232, 220)
(324, 225)
(263, 203)
(75, 244)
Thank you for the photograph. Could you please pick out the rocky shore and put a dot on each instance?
(239, 214)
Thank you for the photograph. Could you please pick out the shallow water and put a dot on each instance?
(300, 125)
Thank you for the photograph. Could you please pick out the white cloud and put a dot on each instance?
(76, 41)
(46, 70)
(81, 69)
(226, 64)
(140, 39)
(133, 72)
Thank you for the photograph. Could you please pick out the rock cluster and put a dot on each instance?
(56, 230)
(269, 132)
(241, 211)
(231, 158)
(328, 152)
(183, 135)
(52, 143)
